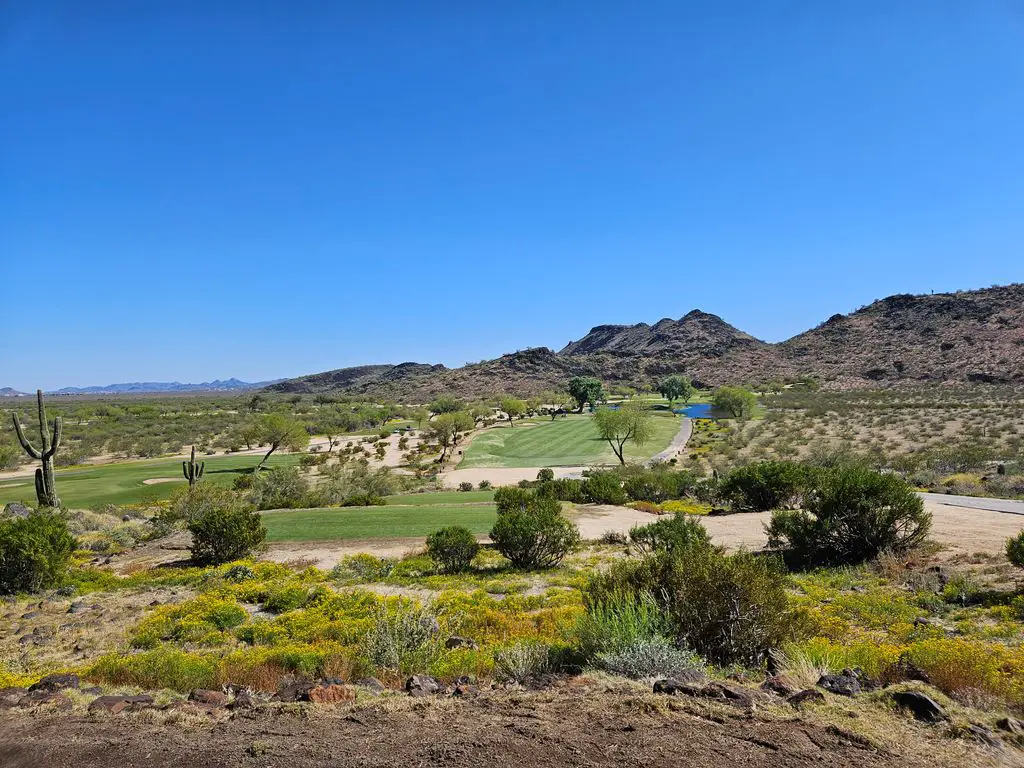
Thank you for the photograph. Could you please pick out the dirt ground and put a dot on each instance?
(572, 725)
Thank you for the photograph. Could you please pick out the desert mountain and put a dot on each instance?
(949, 338)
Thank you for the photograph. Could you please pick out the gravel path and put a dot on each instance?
(1008, 506)
(678, 443)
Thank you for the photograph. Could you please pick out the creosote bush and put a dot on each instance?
(34, 552)
(852, 515)
(1015, 549)
(452, 548)
(228, 531)
(669, 535)
(531, 532)
(766, 485)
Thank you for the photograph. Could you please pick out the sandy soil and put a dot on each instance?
(158, 480)
(502, 475)
(574, 724)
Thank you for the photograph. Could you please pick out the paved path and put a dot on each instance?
(1008, 506)
(678, 443)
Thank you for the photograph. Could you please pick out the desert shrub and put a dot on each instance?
(156, 669)
(34, 552)
(646, 506)
(654, 656)
(545, 475)
(730, 609)
(765, 485)
(604, 488)
(853, 515)
(509, 498)
(1015, 549)
(279, 488)
(452, 548)
(10, 456)
(484, 485)
(363, 566)
(563, 489)
(534, 535)
(403, 636)
(363, 500)
(465, 487)
(226, 532)
(522, 661)
(187, 502)
(657, 485)
(686, 507)
(670, 534)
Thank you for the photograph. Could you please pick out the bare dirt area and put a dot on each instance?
(574, 724)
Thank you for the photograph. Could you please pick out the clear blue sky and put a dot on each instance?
(191, 190)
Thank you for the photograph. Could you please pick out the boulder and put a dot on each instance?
(780, 684)
(330, 694)
(243, 700)
(423, 685)
(674, 687)
(295, 691)
(209, 698)
(737, 695)
(461, 642)
(922, 706)
(372, 684)
(117, 704)
(807, 696)
(40, 697)
(56, 682)
(14, 509)
(1008, 724)
(985, 736)
(9, 697)
(841, 685)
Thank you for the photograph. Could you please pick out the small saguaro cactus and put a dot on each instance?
(193, 471)
(45, 492)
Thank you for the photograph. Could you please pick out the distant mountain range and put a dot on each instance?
(152, 387)
(965, 337)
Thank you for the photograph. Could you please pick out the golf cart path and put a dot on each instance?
(1007, 506)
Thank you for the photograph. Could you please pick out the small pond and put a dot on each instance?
(697, 411)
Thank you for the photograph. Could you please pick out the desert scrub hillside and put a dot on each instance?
(964, 441)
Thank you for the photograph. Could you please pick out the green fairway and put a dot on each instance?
(87, 487)
(388, 522)
(571, 441)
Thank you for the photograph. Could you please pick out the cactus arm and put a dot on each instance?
(58, 430)
(29, 449)
(184, 470)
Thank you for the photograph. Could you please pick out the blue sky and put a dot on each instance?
(198, 190)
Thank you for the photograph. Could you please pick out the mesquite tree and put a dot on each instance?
(45, 491)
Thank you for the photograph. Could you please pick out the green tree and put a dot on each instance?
(514, 408)
(279, 431)
(676, 388)
(736, 401)
(631, 421)
(554, 402)
(420, 416)
(534, 534)
(448, 429)
(225, 532)
(34, 552)
(446, 404)
(585, 389)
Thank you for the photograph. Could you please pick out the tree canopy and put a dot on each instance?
(585, 389)
(280, 431)
(514, 408)
(630, 421)
(736, 401)
(676, 388)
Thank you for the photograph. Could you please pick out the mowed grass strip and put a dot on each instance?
(387, 522)
(123, 483)
(572, 441)
(443, 497)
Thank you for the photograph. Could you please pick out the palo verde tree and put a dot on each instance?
(280, 431)
(585, 389)
(736, 401)
(448, 429)
(514, 408)
(446, 404)
(630, 421)
(676, 388)
(46, 494)
(192, 470)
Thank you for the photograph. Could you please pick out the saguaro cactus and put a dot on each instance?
(45, 492)
(193, 471)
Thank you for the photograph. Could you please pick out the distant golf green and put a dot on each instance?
(572, 441)
(387, 522)
(92, 486)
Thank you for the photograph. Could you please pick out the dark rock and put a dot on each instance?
(985, 736)
(116, 704)
(9, 697)
(372, 684)
(295, 691)
(92, 690)
(126, 518)
(1008, 724)
(923, 707)
(42, 696)
(674, 687)
(209, 698)
(56, 682)
(14, 509)
(866, 683)
(243, 700)
(30, 615)
(423, 685)
(842, 685)
(808, 696)
(736, 695)
(461, 642)
(66, 591)
(780, 684)
(77, 607)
